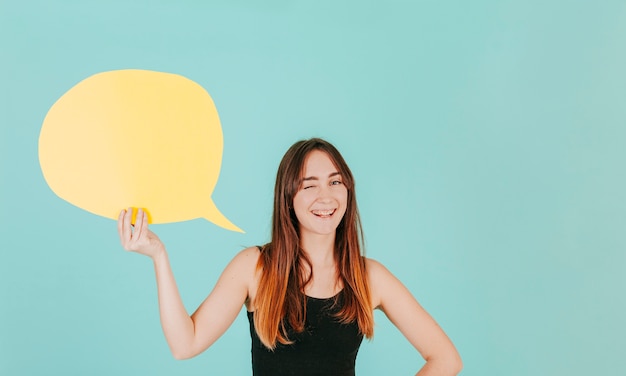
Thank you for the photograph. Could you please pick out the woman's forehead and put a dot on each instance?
(318, 164)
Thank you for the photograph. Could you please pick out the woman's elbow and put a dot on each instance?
(459, 367)
(450, 364)
(455, 365)
(183, 354)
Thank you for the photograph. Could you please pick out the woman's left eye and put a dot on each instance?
(335, 182)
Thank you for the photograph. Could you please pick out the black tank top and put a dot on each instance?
(325, 347)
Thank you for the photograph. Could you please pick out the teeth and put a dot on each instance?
(323, 212)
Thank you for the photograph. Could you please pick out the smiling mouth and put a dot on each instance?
(323, 213)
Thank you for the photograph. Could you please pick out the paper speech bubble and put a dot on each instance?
(135, 138)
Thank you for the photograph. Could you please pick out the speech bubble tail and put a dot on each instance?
(212, 214)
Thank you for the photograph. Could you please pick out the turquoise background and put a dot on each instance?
(487, 139)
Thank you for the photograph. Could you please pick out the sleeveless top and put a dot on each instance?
(325, 347)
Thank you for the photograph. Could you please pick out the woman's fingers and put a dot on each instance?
(139, 219)
(120, 225)
(126, 232)
(132, 236)
(144, 223)
(137, 237)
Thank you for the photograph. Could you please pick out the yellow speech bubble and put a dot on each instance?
(135, 138)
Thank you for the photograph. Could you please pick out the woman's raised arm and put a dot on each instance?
(187, 336)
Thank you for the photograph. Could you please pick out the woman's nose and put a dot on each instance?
(324, 194)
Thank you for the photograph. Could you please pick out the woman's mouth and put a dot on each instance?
(323, 213)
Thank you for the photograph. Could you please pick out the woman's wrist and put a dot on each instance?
(160, 255)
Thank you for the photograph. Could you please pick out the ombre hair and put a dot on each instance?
(280, 300)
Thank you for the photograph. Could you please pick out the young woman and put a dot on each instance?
(309, 292)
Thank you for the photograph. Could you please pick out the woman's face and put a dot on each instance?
(321, 200)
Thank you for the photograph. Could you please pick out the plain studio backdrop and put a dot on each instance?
(487, 139)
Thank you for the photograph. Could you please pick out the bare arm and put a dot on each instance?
(186, 335)
(395, 300)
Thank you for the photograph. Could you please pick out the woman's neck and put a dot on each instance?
(320, 252)
(319, 249)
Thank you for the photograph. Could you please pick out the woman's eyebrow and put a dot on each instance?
(316, 178)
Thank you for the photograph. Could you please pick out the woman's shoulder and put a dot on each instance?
(246, 258)
(380, 280)
(243, 265)
(375, 269)
(243, 268)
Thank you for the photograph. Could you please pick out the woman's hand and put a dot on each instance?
(138, 238)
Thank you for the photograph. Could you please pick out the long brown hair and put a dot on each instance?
(280, 299)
